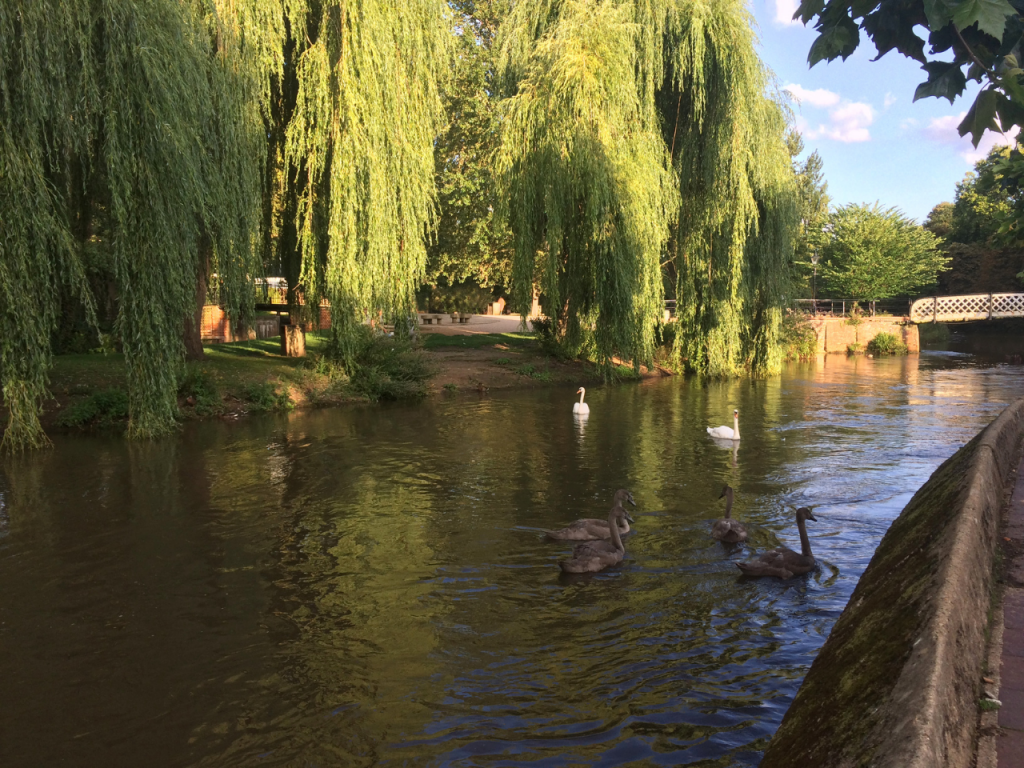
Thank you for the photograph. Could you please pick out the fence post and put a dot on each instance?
(990, 306)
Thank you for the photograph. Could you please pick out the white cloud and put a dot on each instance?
(784, 10)
(816, 98)
(943, 130)
(890, 100)
(910, 122)
(848, 123)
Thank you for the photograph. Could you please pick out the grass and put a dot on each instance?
(987, 705)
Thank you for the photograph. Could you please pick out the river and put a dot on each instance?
(370, 585)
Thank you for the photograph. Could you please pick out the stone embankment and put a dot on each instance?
(836, 335)
(897, 683)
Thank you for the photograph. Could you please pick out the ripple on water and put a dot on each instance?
(372, 587)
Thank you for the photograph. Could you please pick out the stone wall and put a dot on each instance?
(835, 334)
(897, 682)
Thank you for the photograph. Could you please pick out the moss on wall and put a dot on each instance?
(839, 716)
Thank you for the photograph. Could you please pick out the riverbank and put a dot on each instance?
(902, 675)
(234, 379)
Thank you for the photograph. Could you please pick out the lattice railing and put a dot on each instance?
(975, 306)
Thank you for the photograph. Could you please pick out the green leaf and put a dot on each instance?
(939, 13)
(989, 15)
(945, 80)
(981, 117)
(838, 40)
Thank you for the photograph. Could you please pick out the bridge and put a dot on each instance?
(974, 306)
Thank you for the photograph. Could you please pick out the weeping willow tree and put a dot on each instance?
(196, 136)
(133, 112)
(734, 234)
(639, 131)
(359, 150)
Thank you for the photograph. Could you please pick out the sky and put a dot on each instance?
(876, 142)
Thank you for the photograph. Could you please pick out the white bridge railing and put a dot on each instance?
(975, 306)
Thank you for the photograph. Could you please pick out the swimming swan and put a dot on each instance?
(727, 529)
(594, 556)
(580, 407)
(783, 562)
(590, 528)
(725, 433)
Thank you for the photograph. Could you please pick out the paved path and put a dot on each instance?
(1010, 742)
(476, 324)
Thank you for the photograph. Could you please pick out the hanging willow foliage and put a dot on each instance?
(733, 239)
(360, 140)
(133, 111)
(636, 123)
(586, 174)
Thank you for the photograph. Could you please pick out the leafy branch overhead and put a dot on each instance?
(983, 36)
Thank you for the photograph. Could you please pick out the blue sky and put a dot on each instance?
(875, 141)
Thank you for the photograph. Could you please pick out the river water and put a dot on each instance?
(370, 586)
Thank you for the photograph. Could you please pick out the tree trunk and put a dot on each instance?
(194, 324)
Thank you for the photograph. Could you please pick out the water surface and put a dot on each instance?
(370, 585)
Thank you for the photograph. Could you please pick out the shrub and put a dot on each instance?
(263, 396)
(525, 370)
(102, 409)
(666, 334)
(797, 337)
(503, 361)
(385, 368)
(202, 389)
(853, 349)
(856, 316)
(887, 344)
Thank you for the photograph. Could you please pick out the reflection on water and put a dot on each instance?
(370, 586)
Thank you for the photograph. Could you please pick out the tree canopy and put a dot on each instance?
(968, 40)
(175, 139)
(876, 253)
(636, 129)
(133, 115)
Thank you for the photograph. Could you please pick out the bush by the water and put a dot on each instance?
(887, 344)
(386, 368)
(101, 409)
(200, 391)
(797, 337)
(264, 396)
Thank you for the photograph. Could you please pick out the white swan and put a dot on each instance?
(725, 433)
(580, 407)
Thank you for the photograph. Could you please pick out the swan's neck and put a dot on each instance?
(613, 526)
(728, 506)
(582, 393)
(805, 543)
(736, 427)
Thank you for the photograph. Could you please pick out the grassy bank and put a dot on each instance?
(89, 390)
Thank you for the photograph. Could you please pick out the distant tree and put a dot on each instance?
(875, 253)
(977, 40)
(981, 258)
(469, 241)
(940, 220)
(813, 203)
